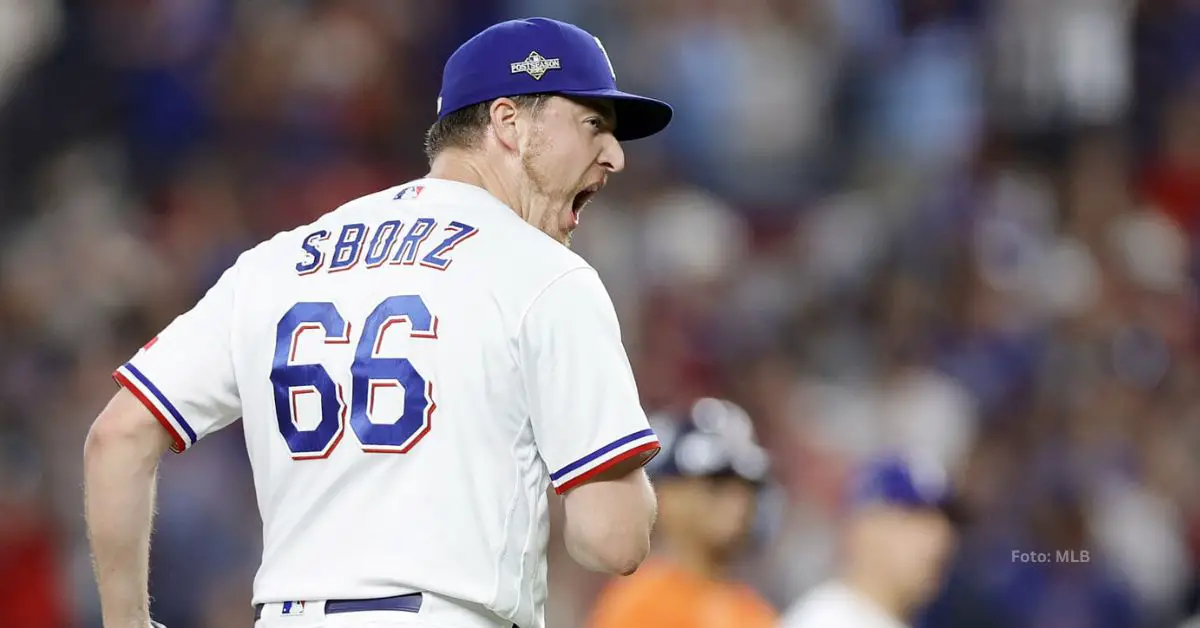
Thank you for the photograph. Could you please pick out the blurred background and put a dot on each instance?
(963, 228)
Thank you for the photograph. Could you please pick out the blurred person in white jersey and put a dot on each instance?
(413, 371)
(897, 541)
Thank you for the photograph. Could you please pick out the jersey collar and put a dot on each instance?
(446, 189)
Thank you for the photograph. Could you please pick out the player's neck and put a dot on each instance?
(462, 167)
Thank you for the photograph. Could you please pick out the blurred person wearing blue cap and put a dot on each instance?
(708, 477)
(897, 541)
(405, 416)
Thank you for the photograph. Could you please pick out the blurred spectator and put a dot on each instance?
(1062, 64)
(27, 31)
(898, 538)
(1171, 180)
(708, 473)
(32, 579)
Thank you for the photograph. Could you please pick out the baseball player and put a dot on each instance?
(413, 371)
(708, 478)
(897, 539)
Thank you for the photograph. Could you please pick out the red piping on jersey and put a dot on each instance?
(604, 466)
(124, 382)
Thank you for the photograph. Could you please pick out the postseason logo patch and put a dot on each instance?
(535, 65)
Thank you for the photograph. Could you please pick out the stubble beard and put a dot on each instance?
(543, 191)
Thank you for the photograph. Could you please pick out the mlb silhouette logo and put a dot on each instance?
(409, 193)
(293, 608)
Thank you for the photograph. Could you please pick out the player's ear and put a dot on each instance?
(504, 115)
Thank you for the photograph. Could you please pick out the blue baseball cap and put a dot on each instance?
(711, 438)
(541, 55)
(902, 482)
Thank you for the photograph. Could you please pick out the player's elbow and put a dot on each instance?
(107, 432)
(108, 444)
(110, 430)
(124, 429)
(608, 524)
(609, 546)
(626, 565)
(632, 558)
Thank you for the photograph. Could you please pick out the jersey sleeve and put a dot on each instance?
(583, 401)
(184, 376)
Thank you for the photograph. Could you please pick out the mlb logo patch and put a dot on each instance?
(291, 609)
(409, 193)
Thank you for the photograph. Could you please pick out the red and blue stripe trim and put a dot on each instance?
(587, 467)
(130, 377)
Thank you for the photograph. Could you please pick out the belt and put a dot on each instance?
(408, 603)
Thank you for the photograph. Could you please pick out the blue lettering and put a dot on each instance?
(382, 243)
(355, 241)
(420, 230)
(348, 248)
(315, 257)
(459, 232)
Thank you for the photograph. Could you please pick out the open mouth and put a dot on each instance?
(584, 197)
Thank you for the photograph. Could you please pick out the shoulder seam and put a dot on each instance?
(549, 284)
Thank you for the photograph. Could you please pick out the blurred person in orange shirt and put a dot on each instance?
(708, 478)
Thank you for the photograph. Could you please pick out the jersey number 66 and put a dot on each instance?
(368, 373)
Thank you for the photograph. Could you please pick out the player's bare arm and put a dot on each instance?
(608, 520)
(120, 459)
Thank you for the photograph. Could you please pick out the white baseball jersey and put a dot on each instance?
(413, 370)
(835, 605)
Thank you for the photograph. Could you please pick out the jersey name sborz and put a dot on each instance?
(391, 242)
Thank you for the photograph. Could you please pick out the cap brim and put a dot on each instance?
(955, 512)
(637, 116)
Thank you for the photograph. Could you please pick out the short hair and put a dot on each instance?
(464, 128)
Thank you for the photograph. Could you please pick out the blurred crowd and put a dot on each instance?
(959, 228)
